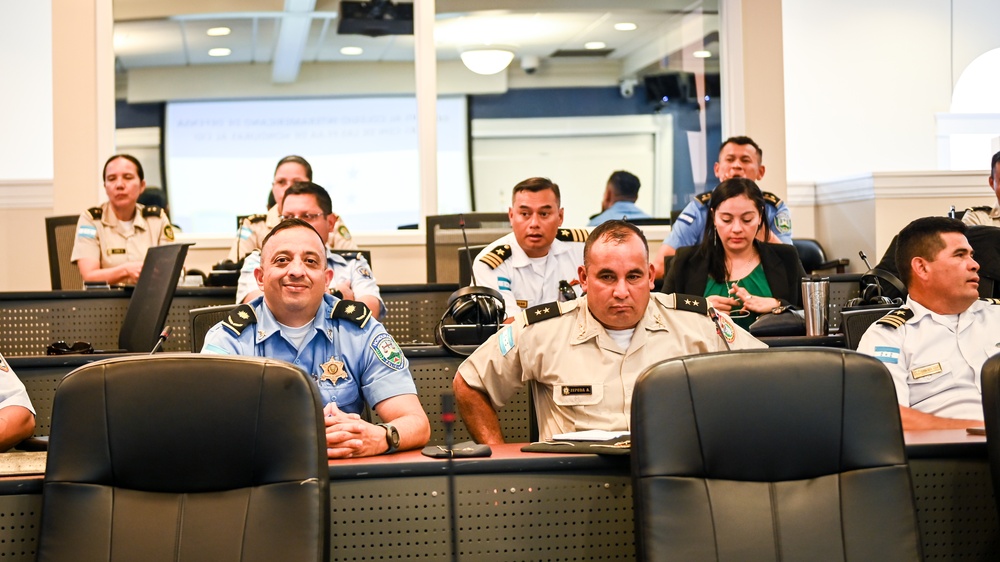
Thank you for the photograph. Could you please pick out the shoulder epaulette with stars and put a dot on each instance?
(95, 213)
(572, 234)
(354, 312)
(542, 312)
(990, 300)
(690, 303)
(151, 211)
(983, 209)
(771, 198)
(496, 256)
(896, 318)
(257, 218)
(703, 198)
(239, 318)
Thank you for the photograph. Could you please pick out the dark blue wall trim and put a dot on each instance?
(133, 115)
(558, 102)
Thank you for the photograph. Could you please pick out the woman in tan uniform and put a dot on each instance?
(112, 239)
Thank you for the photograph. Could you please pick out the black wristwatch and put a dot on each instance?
(391, 437)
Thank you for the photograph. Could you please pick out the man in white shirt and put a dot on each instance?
(936, 344)
(537, 262)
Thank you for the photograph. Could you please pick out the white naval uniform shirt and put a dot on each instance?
(524, 284)
(935, 365)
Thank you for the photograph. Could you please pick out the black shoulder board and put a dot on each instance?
(239, 318)
(983, 209)
(95, 213)
(703, 198)
(991, 301)
(690, 303)
(151, 211)
(542, 312)
(495, 257)
(354, 312)
(572, 234)
(257, 218)
(896, 318)
(771, 198)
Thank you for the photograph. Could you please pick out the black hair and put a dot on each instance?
(625, 184)
(711, 249)
(130, 158)
(310, 188)
(743, 141)
(617, 231)
(285, 224)
(922, 238)
(535, 185)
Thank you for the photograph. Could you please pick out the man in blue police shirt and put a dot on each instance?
(738, 157)
(349, 353)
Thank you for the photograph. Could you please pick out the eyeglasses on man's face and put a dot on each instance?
(305, 216)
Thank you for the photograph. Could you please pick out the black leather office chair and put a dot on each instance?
(856, 321)
(444, 238)
(813, 257)
(763, 455)
(60, 235)
(186, 458)
(991, 415)
(202, 320)
(466, 258)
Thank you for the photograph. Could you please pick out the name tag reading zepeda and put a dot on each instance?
(578, 389)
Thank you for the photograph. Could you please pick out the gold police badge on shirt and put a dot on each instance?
(333, 371)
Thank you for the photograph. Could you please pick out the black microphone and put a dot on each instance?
(468, 254)
(864, 258)
(448, 417)
(163, 337)
(714, 315)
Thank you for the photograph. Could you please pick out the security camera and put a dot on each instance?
(627, 87)
(530, 63)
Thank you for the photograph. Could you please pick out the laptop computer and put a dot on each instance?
(151, 298)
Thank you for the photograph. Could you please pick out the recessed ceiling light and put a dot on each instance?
(625, 26)
(594, 45)
(220, 52)
(351, 51)
(218, 31)
(701, 54)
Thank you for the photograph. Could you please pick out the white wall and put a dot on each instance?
(863, 81)
(26, 67)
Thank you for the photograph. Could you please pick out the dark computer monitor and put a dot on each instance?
(150, 302)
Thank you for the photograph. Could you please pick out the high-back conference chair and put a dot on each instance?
(186, 458)
(758, 455)
(991, 415)
(60, 234)
(444, 238)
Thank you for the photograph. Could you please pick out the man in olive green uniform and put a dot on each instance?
(582, 357)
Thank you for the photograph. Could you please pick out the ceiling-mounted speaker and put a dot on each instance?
(375, 18)
(670, 87)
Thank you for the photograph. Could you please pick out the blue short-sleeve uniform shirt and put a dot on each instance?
(689, 227)
(352, 364)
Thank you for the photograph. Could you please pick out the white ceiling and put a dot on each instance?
(151, 33)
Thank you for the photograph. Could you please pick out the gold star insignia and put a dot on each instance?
(499, 252)
(243, 314)
(687, 301)
(349, 309)
(538, 313)
(565, 232)
(695, 303)
(545, 310)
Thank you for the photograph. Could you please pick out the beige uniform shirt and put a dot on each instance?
(982, 216)
(255, 228)
(580, 378)
(101, 236)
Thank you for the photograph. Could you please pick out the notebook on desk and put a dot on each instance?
(150, 301)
